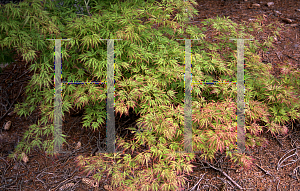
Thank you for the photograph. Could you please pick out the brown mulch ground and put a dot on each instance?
(48, 173)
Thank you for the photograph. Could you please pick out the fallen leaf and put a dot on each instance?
(7, 126)
(78, 145)
(287, 20)
(108, 187)
(24, 158)
(255, 5)
(270, 4)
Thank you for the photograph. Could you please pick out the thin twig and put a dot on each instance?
(278, 141)
(193, 22)
(11, 104)
(21, 75)
(4, 160)
(265, 171)
(197, 182)
(280, 162)
(236, 184)
(278, 56)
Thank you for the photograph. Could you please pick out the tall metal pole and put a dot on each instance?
(187, 11)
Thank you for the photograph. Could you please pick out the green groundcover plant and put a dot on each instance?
(149, 77)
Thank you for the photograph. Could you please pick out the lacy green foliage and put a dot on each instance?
(149, 72)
